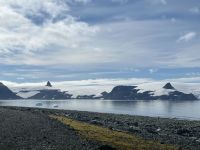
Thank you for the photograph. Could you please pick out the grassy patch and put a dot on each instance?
(118, 140)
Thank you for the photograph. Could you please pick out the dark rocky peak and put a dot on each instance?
(6, 93)
(168, 86)
(123, 88)
(49, 84)
(104, 93)
(1, 84)
(121, 93)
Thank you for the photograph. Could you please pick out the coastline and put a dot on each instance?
(181, 110)
(182, 133)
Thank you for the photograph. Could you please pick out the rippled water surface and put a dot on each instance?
(163, 108)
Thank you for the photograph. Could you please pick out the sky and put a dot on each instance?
(63, 40)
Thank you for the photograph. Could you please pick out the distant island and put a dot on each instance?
(121, 92)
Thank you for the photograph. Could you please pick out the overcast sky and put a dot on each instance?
(87, 39)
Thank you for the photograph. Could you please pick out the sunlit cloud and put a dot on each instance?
(187, 37)
(95, 39)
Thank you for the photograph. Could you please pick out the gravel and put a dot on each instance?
(29, 130)
(45, 133)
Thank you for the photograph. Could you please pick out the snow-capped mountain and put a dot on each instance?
(104, 88)
(6, 93)
(158, 90)
(134, 93)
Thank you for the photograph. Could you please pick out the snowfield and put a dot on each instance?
(157, 88)
(96, 87)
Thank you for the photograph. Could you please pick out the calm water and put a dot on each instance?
(163, 108)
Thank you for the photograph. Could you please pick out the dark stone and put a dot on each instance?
(183, 132)
(96, 122)
(151, 129)
(134, 129)
(136, 124)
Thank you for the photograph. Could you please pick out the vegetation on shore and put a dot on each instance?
(116, 139)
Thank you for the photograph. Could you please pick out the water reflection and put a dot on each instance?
(163, 108)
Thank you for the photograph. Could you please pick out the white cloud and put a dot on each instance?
(187, 37)
(52, 7)
(97, 86)
(120, 1)
(83, 1)
(153, 71)
(79, 87)
(163, 2)
(65, 85)
(35, 32)
(173, 20)
(193, 74)
(187, 56)
(195, 10)
(28, 43)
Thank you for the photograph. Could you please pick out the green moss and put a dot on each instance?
(118, 140)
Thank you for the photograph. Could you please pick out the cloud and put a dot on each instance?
(195, 10)
(187, 37)
(97, 86)
(163, 2)
(25, 36)
(98, 36)
(83, 1)
(153, 71)
(120, 1)
(193, 74)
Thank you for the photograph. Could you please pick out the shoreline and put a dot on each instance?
(183, 133)
(173, 114)
(183, 118)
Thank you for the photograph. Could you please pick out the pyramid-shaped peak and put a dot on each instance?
(49, 84)
(1, 84)
(168, 86)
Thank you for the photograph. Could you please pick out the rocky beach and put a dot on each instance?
(32, 128)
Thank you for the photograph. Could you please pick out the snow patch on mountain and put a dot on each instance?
(27, 90)
(157, 88)
(96, 87)
(27, 94)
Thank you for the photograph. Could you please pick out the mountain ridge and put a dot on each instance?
(119, 92)
(6, 93)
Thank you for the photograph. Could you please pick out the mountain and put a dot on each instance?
(122, 93)
(6, 93)
(133, 93)
(103, 89)
(51, 94)
(49, 84)
(168, 86)
(177, 95)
